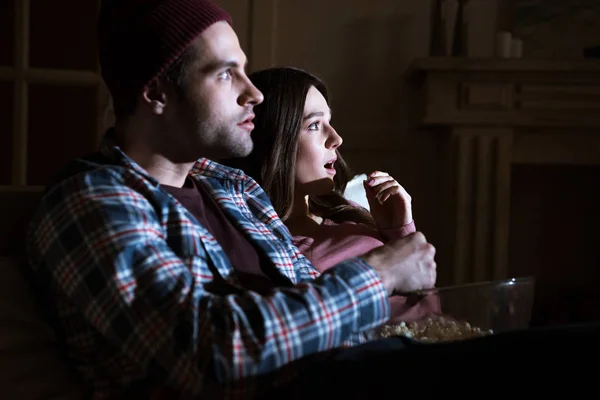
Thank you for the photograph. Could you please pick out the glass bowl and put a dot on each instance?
(468, 310)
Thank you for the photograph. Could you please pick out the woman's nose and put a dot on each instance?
(334, 141)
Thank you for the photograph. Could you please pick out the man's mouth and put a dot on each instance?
(247, 123)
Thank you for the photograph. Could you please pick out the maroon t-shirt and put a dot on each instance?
(241, 253)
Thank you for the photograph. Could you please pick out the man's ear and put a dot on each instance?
(155, 96)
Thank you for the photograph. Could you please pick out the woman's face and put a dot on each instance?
(317, 142)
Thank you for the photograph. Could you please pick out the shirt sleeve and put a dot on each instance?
(104, 246)
(400, 232)
(393, 233)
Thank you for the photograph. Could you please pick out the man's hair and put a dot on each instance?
(176, 74)
(272, 162)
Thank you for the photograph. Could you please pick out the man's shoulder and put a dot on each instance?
(94, 174)
(240, 189)
(213, 169)
(220, 175)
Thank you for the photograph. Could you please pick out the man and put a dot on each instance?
(147, 248)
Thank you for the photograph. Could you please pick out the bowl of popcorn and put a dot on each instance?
(467, 311)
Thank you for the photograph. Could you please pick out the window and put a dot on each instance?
(52, 99)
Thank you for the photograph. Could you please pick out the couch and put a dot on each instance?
(30, 363)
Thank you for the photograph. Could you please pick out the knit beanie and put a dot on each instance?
(139, 39)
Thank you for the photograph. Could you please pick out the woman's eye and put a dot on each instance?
(314, 126)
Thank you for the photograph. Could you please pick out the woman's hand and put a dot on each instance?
(390, 204)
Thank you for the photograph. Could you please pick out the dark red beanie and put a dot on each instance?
(139, 39)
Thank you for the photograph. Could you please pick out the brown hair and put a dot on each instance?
(272, 163)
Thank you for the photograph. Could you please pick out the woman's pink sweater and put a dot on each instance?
(334, 243)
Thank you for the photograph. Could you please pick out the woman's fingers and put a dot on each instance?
(379, 179)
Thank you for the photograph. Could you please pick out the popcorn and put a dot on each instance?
(438, 329)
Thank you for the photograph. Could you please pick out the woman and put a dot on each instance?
(297, 162)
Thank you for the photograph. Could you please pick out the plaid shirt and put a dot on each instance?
(143, 293)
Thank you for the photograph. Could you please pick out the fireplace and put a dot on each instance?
(517, 131)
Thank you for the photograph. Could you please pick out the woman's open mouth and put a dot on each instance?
(330, 167)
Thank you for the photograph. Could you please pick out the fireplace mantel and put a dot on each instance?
(493, 113)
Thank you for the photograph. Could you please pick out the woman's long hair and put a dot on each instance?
(272, 162)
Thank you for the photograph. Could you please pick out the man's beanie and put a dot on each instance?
(139, 39)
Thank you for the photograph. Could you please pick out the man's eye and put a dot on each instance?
(225, 75)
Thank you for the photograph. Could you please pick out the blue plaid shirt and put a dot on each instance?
(143, 293)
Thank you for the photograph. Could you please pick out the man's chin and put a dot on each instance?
(242, 151)
(238, 150)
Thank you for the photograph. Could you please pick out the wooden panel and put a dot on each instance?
(516, 92)
(240, 14)
(359, 48)
(18, 204)
(584, 97)
(554, 237)
(62, 125)
(573, 148)
(7, 31)
(485, 96)
(6, 131)
(482, 192)
(63, 34)
(264, 32)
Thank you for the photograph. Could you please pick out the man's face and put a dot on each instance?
(215, 118)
